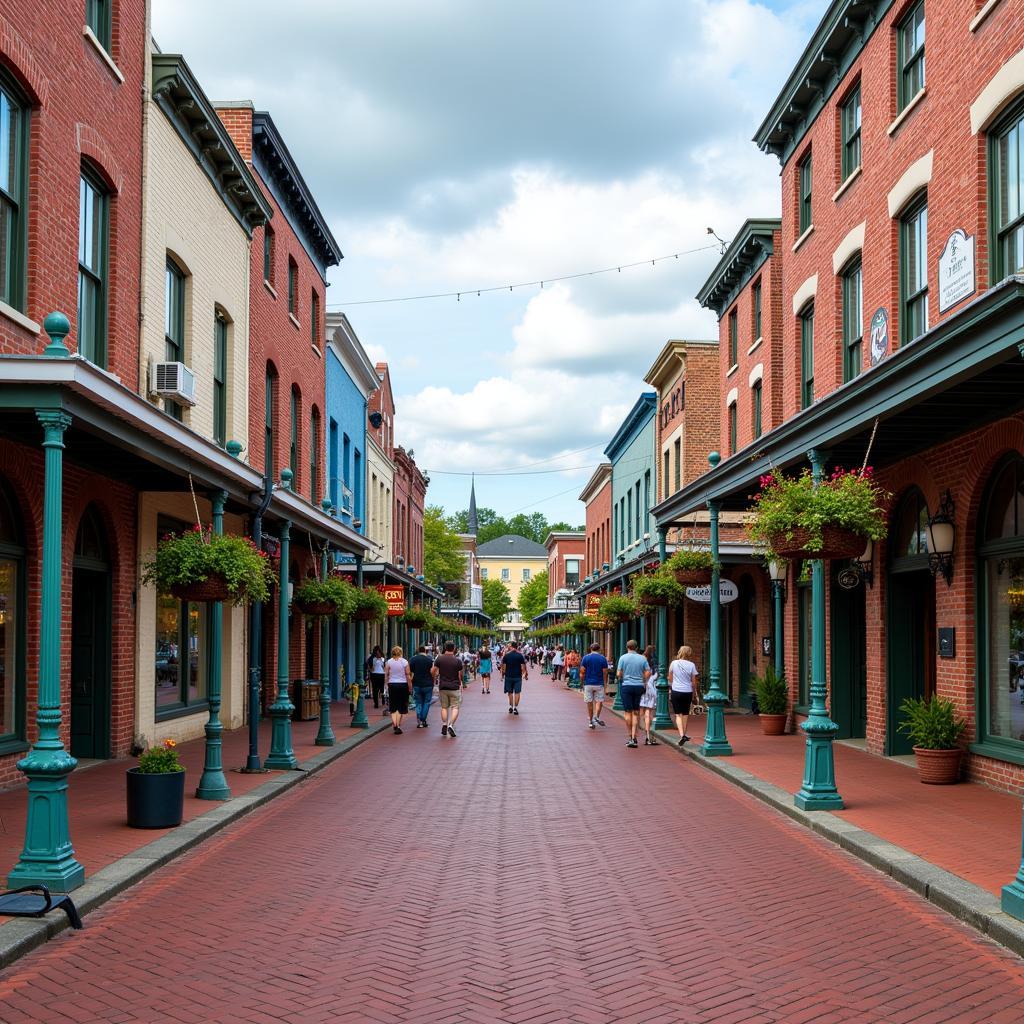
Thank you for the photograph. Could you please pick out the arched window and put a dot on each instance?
(314, 456)
(910, 527)
(293, 435)
(12, 620)
(1001, 615)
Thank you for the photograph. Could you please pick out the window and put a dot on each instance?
(269, 408)
(314, 320)
(850, 119)
(293, 435)
(1007, 161)
(910, 527)
(332, 467)
(505, 575)
(664, 474)
(911, 56)
(182, 629)
(757, 309)
(647, 499)
(755, 410)
(314, 456)
(220, 378)
(483, 574)
(629, 515)
(97, 17)
(293, 288)
(733, 339)
(804, 171)
(526, 575)
(268, 254)
(807, 357)
(639, 532)
(677, 454)
(914, 272)
(572, 572)
(174, 324)
(357, 491)
(12, 621)
(13, 192)
(93, 227)
(732, 427)
(853, 320)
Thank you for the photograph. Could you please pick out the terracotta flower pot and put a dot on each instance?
(364, 615)
(773, 725)
(692, 577)
(213, 588)
(938, 767)
(837, 543)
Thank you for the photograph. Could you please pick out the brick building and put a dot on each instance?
(597, 501)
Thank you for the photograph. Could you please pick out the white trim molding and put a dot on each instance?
(915, 177)
(1004, 86)
(756, 374)
(732, 398)
(805, 293)
(853, 242)
(982, 15)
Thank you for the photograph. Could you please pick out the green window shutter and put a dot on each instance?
(757, 310)
(268, 424)
(911, 76)
(314, 320)
(732, 428)
(268, 254)
(220, 378)
(14, 136)
(293, 440)
(807, 357)
(93, 234)
(733, 338)
(97, 17)
(314, 457)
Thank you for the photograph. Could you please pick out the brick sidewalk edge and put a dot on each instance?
(966, 901)
(21, 935)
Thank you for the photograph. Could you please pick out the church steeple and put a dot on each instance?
(471, 522)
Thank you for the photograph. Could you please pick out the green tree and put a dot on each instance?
(443, 557)
(497, 600)
(533, 597)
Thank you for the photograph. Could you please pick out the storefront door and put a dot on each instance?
(849, 691)
(747, 627)
(911, 632)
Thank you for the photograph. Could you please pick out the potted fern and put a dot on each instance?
(156, 788)
(658, 589)
(616, 608)
(773, 701)
(330, 597)
(692, 567)
(935, 731)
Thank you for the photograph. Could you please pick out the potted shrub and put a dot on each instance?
(772, 700)
(332, 597)
(156, 788)
(794, 518)
(691, 567)
(658, 588)
(200, 565)
(615, 608)
(935, 731)
(368, 605)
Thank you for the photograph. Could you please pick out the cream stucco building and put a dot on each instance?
(514, 560)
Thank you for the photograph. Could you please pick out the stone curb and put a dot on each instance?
(21, 935)
(967, 902)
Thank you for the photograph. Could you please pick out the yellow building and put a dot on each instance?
(514, 560)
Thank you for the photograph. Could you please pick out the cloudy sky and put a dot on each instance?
(461, 144)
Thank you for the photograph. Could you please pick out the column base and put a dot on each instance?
(213, 786)
(281, 756)
(818, 791)
(715, 743)
(717, 749)
(359, 719)
(60, 875)
(1013, 897)
(617, 703)
(818, 801)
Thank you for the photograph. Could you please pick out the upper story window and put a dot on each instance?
(97, 17)
(268, 254)
(910, 57)
(269, 408)
(733, 339)
(664, 474)
(314, 320)
(483, 572)
(629, 516)
(293, 287)
(314, 456)
(572, 572)
(14, 119)
(732, 427)
(914, 271)
(293, 435)
(807, 357)
(526, 575)
(804, 178)
(756, 295)
(174, 323)
(755, 409)
(93, 226)
(506, 575)
(220, 378)
(1007, 162)
(853, 320)
(850, 115)
(677, 456)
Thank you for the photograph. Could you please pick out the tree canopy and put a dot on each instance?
(443, 557)
(533, 596)
(497, 600)
(491, 526)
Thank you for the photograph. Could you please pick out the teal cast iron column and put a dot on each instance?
(818, 792)
(778, 589)
(662, 718)
(1013, 894)
(281, 754)
(715, 742)
(617, 704)
(48, 857)
(213, 785)
(359, 719)
(325, 734)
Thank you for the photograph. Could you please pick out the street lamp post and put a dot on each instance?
(359, 719)
(281, 754)
(818, 792)
(662, 718)
(325, 734)
(777, 572)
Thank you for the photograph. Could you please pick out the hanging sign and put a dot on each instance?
(727, 592)
(879, 335)
(956, 270)
(593, 603)
(394, 594)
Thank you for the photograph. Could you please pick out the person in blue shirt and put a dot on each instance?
(595, 673)
(632, 673)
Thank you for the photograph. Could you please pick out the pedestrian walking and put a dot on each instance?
(572, 668)
(649, 701)
(448, 673)
(399, 678)
(375, 669)
(632, 673)
(683, 679)
(421, 667)
(513, 672)
(557, 661)
(485, 669)
(595, 675)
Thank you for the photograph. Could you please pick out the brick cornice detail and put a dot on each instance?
(16, 55)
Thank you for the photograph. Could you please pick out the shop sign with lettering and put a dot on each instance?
(727, 592)
(956, 270)
(394, 594)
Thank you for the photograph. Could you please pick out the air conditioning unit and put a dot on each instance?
(175, 380)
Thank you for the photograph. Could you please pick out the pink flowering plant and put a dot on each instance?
(193, 556)
(850, 499)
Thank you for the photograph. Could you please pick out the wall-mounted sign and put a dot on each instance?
(727, 591)
(956, 270)
(766, 646)
(394, 594)
(879, 335)
(593, 603)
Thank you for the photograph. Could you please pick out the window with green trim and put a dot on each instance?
(314, 320)
(756, 294)
(268, 254)
(807, 357)
(220, 378)
(732, 428)
(174, 323)
(14, 125)
(914, 272)
(293, 288)
(314, 456)
(850, 115)
(804, 175)
(93, 234)
(853, 320)
(12, 620)
(733, 339)
(677, 460)
(910, 69)
(269, 411)
(1006, 156)
(755, 409)
(97, 17)
(293, 436)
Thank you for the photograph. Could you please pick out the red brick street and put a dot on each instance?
(528, 871)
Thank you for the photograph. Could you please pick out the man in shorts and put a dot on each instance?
(448, 673)
(633, 673)
(513, 672)
(595, 673)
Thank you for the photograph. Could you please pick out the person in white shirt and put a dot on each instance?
(399, 677)
(557, 661)
(683, 679)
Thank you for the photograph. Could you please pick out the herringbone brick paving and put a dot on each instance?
(528, 872)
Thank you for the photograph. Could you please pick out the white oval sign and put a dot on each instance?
(727, 591)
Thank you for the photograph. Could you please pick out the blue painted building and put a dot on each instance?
(631, 453)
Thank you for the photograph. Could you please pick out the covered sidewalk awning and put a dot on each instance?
(385, 572)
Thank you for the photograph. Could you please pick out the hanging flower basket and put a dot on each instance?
(617, 609)
(691, 567)
(313, 608)
(213, 588)
(368, 604)
(692, 577)
(836, 543)
(601, 625)
(330, 597)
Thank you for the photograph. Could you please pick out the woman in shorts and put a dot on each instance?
(485, 669)
(399, 677)
(683, 680)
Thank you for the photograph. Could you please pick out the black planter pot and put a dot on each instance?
(155, 801)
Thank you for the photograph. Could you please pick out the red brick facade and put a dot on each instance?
(560, 547)
(383, 401)
(597, 500)
(410, 496)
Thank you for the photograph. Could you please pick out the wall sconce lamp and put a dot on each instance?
(942, 539)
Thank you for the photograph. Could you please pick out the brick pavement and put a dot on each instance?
(530, 871)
